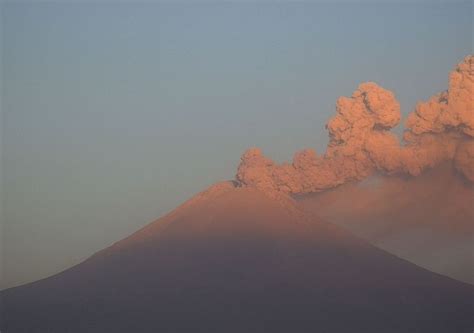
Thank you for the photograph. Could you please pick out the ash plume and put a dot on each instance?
(361, 142)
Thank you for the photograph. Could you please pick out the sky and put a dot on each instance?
(115, 113)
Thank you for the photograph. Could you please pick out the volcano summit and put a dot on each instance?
(233, 259)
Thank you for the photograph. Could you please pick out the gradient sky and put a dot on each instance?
(114, 114)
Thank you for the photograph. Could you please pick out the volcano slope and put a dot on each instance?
(234, 259)
(428, 220)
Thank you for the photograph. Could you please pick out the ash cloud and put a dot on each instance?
(361, 142)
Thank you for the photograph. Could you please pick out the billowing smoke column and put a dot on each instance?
(361, 143)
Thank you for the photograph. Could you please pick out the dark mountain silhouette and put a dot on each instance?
(234, 259)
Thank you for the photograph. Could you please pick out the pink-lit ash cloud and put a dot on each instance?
(362, 144)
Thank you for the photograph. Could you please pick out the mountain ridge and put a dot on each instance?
(236, 259)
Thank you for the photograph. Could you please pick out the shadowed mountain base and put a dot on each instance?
(234, 260)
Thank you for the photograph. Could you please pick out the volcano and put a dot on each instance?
(235, 259)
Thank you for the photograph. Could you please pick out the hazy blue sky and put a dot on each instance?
(114, 114)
